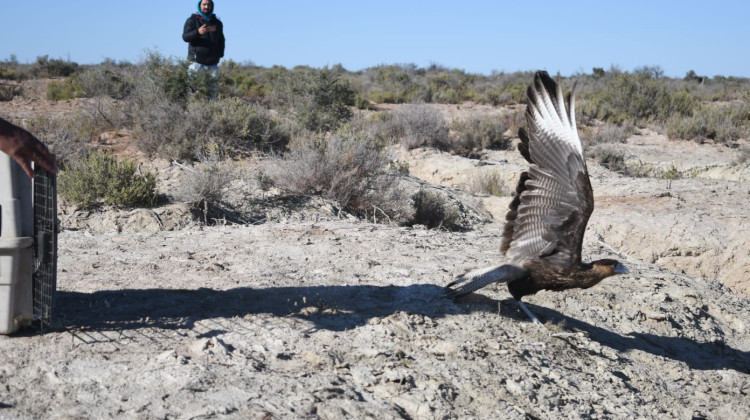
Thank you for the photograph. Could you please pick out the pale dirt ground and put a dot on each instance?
(307, 315)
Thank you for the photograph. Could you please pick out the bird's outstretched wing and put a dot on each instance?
(554, 199)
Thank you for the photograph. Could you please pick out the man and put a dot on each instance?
(25, 148)
(204, 34)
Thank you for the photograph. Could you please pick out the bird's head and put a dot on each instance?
(608, 267)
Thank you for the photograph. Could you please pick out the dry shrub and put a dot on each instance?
(419, 126)
(106, 80)
(432, 210)
(206, 184)
(514, 120)
(477, 133)
(8, 91)
(743, 156)
(488, 183)
(164, 128)
(239, 125)
(345, 167)
(60, 136)
(607, 133)
(609, 156)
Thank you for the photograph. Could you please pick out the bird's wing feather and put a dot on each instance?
(477, 279)
(554, 198)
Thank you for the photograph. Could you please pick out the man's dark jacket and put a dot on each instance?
(205, 49)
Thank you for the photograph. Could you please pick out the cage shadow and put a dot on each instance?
(336, 307)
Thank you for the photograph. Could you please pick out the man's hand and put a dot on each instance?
(204, 29)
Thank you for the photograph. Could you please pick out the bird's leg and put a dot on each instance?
(534, 319)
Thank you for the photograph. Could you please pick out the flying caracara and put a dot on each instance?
(546, 220)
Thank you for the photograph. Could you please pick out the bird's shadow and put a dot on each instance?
(339, 308)
(695, 354)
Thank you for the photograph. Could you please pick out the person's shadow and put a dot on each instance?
(339, 308)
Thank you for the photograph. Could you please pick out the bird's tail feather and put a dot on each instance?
(479, 278)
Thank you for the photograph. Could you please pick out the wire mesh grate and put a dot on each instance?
(45, 245)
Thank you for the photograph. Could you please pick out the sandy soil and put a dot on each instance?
(307, 315)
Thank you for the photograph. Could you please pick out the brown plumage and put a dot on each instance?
(546, 220)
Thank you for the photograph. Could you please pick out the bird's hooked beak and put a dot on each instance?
(620, 269)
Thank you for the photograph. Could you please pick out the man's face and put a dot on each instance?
(206, 6)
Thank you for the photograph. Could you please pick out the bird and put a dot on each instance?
(546, 220)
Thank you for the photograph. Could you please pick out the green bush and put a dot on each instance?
(241, 81)
(723, 124)
(319, 100)
(63, 90)
(363, 103)
(639, 98)
(451, 87)
(100, 179)
(10, 69)
(46, 67)
(239, 125)
(159, 75)
(671, 173)
(514, 93)
(393, 84)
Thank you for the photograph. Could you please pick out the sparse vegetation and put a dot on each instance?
(607, 133)
(55, 67)
(722, 123)
(639, 98)
(325, 129)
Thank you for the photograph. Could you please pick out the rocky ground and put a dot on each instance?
(306, 313)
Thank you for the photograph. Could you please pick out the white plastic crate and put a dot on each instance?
(16, 246)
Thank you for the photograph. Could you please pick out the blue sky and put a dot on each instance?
(478, 36)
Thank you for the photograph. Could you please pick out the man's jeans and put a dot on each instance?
(195, 68)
